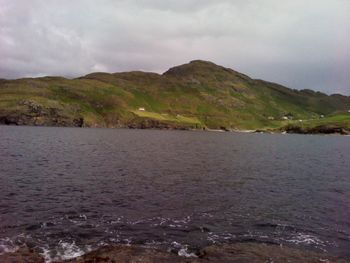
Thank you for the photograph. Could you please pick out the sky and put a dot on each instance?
(297, 43)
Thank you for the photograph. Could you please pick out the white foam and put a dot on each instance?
(207, 215)
(117, 220)
(83, 216)
(216, 238)
(183, 250)
(70, 250)
(306, 239)
(7, 246)
(184, 220)
(46, 254)
(213, 238)
(64, 251)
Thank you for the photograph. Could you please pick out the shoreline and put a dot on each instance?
(335, 131)
(224, 253)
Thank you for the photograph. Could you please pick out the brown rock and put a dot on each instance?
(24, 255)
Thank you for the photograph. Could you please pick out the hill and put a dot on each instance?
(196, 95)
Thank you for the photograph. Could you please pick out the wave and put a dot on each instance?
(86, 234)
(64, 251)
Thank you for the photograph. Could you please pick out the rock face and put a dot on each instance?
(156, 124)
(229, 253)
(34, 114)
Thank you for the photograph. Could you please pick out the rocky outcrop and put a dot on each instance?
(229, 253)
(145, 123)
(41, 121)
(24, 255)
(34, 114)
(322, 129)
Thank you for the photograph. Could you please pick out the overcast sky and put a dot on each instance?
(298, 43)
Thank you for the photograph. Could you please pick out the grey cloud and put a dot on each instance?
(300, 43)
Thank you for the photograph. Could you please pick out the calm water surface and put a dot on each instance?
(65, 191)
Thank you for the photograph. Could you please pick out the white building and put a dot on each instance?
(142, 109)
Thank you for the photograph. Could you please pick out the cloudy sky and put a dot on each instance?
(299, 43)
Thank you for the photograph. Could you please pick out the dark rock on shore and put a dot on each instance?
(229, 253)
(144, 123)
(322, 129)
(225, 128)
(28, 120)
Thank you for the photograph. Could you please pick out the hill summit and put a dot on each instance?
(204, 70)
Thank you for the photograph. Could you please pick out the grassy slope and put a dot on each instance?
(194, 95)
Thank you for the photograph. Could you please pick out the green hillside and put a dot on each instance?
(196, 95)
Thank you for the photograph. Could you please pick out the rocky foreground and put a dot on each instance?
(235, 253)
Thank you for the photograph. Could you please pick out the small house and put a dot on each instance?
(142, 109)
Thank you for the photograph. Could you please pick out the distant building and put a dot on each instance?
(285, 118)
(142, 109)
(271, 118)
